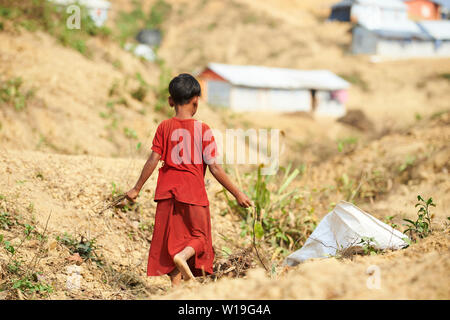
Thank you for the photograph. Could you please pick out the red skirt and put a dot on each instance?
(178, 225)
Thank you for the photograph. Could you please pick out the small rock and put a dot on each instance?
(75, 258)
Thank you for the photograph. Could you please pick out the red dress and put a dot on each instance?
(182, 213)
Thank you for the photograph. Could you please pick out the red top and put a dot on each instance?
(186, 146)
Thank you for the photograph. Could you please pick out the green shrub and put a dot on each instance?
(158, 13)
(11, 93)
(283, 218)
(141, 92)
(44, 15)
(161, 90)
(84, 247)
(31, 284)
(6, 221)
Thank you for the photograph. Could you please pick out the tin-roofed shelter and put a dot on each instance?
(256, 88)
(423, 9)
(341, 11)
(403, 40)
(439, 30)
(369, 10)
(428, 9)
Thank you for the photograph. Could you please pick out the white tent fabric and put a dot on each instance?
(343, 228)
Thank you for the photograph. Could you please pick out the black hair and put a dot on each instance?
(183, 88)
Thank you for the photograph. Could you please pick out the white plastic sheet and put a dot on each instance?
(343, 228)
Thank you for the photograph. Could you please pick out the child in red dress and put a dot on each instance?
(181, 244)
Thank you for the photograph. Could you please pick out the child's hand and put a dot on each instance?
(243, 200)
(132, 194)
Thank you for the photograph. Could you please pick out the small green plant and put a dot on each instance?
(347, 186)
(161, 91)
(30, 207)
(388, 220)
(146, 226)
(8, 246)
(6, 221)
(130, 133)
(368, 245)
(28, 230)
(31, 284)
(158, 13)
(116, 190)
(84, 247)
(347, 144)
(408, 163)
(11, 93)
(141, 92)
(422, 226)
(24, 279)
(14, 266)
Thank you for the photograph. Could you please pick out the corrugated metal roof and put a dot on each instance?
(279, 78)
(401, 29)
(438, 29)
(343, 3)
(396, 4)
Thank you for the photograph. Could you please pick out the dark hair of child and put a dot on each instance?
(183, 88)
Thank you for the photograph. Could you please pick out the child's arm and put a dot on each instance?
(220, 175)
(147, 171)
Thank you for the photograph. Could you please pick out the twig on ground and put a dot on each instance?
(254, 241)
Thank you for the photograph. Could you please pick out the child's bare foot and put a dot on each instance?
(180, 260)
(175, 277)
(183, 267)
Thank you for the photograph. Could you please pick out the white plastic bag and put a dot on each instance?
(344, 228)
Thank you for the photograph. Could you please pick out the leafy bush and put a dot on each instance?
(84, 247)
(44, 15)
(275, 220)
